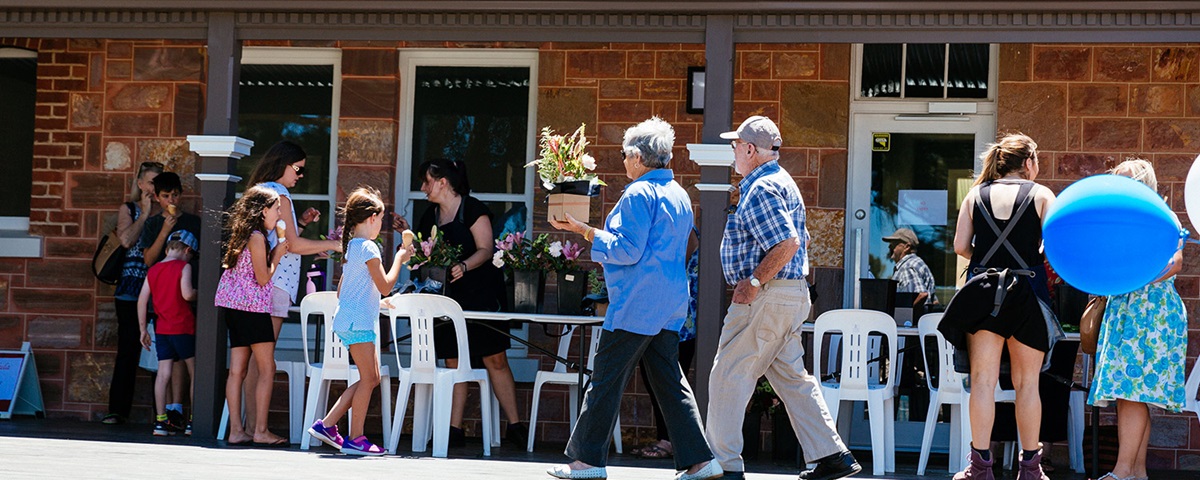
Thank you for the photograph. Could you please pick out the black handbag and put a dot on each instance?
(109, 258)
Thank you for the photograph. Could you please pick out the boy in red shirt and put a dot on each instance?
(169, 284)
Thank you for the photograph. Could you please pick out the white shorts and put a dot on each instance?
(281, 301)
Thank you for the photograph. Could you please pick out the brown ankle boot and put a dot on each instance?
(1031, 468)
(977, 468)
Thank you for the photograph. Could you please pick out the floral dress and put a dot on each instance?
(1142, 345)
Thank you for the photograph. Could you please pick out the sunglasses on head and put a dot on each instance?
(148, 165)
(299, 170)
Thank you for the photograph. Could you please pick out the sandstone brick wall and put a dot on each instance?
(1090, 107)
(102, 108)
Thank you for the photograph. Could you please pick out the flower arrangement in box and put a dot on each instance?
(565, 169)
(563, 159)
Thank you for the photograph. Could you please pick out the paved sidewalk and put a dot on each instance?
(65, 449)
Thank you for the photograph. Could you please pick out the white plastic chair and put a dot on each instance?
(424, 374)
(949, 392)
(856, 384)
(560, 376)
(335, 365)
(295, 373)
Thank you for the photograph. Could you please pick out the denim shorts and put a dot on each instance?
(351, 337)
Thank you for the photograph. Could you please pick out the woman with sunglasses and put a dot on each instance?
(131, 216)
(278, 170)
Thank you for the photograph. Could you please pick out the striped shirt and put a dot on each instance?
(770, 211)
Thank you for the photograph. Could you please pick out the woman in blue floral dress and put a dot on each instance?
(1142, 345)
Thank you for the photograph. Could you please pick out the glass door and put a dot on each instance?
(908, 171)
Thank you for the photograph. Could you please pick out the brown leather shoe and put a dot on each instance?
(977, 468)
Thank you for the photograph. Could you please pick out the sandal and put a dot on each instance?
(112, 419)
(1110, 476)
(654, 451)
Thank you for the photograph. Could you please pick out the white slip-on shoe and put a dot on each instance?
(564, 471)
(709, 472)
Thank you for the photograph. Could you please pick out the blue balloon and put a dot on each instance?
(1108, 235)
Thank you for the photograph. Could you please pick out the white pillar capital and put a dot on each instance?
(711, 155)
(219, 146)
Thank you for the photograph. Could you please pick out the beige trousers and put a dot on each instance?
(763, 338)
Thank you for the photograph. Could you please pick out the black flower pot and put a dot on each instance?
(440, 274)
(571, 287)
(528, 291)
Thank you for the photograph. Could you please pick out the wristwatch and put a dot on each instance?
(754, 282)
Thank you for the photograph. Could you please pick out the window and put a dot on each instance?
(476, 108)
(293, 94)
(925, 70)
(18, 95)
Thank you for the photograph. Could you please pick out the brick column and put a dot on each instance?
(218, 154)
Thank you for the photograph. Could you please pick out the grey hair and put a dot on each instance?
(652, 140)
(1137, 169)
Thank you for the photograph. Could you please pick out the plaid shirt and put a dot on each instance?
(770, 211)
(914, 276)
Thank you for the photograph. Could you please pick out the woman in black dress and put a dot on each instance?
(1000, 227)
(475, 284)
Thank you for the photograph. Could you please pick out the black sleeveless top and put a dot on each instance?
(1026, 236)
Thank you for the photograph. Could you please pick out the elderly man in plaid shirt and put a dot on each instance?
(764, 256)
(910, 271)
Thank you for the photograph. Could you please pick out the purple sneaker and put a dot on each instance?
(361, 446)
(329, 435)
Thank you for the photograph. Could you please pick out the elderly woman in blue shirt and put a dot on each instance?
(642, 248)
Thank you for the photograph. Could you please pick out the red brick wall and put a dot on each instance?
(1090, 107)
(102, 108)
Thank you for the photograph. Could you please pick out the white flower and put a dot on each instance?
(588, 162)
(556, 249)
(498, 259)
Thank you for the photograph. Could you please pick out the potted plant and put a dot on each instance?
(432, 260)
(572, 278)
(566, 171)
(525, 263)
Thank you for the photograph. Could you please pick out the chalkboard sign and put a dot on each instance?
(20, 392)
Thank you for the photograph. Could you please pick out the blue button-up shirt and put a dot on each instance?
(770, 211)
(643, 249)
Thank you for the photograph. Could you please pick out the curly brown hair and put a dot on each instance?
(246, 217)
(362, 204)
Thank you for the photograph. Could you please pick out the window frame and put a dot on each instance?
(856, 77)
(407, 193)
(310, 56)
(15, 240)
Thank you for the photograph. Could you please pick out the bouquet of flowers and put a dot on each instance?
(564, 256)
(434, 251)
(563, 159)
(519, 253)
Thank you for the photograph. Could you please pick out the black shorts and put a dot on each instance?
(248, 328)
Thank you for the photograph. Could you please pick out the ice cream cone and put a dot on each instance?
(171, 209)
(281, 230)
(408, 238)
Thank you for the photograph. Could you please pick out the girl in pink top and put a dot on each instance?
(244, 296)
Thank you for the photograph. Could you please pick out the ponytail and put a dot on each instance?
(1006, 156)
(363, 203)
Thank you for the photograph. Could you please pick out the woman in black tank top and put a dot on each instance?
(1007, 243)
